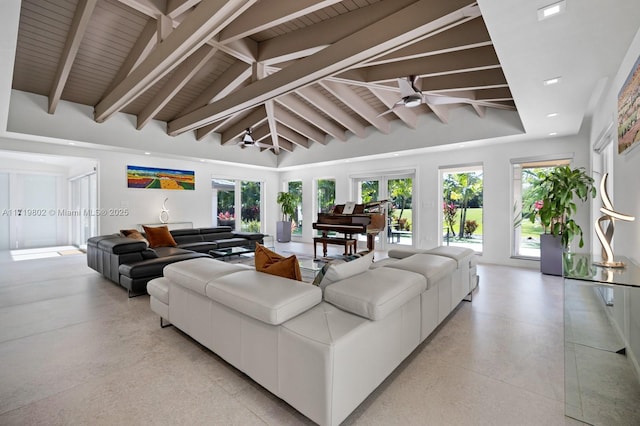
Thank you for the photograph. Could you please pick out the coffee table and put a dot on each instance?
(311, 266)
(231, 251)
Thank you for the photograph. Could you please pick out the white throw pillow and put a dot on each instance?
(340, 271)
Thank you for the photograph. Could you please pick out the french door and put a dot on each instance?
(397, 189)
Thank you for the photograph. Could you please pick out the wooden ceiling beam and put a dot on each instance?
(79, 25)
(230, 80)
(202, 132)
(176, 8)
(383, 36)
(472, 80)
(441, 111)
(314, 96)
(178, 80)
(273, 128)
(270, 13)
(292, 136)
(354, 101)
(209, 17)
(459, 37)
(455, 62)
(309, 40)
(152, 8)
(300, 108)
(303, 127)
(407, 115)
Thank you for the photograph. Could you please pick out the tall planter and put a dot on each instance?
(551, 249)
(283, 231)
(287, 203)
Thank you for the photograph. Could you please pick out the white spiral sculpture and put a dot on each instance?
(164, 213)
(605, 236)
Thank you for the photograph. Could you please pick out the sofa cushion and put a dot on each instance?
(339, 271)
(252, 236)
(265, 297)
(159, 236)
(134, 234)
(216, 229)
(431, 266)
(195, 274)
(170, 251)
(185, 239)
(151, 268)
(202, 247)
(452, 252)
(401, 253)
(121, 245)
(375, 293)
(232, 242)
(270, 262)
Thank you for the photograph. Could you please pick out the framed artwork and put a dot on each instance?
(629, 111)
(151, 177)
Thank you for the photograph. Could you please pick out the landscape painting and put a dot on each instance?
(150, 177)
(629, 111)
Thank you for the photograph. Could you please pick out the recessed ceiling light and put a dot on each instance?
(147, 153)
(552, 114)
(553, 133)
(551, 10)
(550, 81)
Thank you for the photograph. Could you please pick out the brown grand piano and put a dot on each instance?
(366, 219)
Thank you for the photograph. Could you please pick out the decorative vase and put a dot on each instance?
(551, 250)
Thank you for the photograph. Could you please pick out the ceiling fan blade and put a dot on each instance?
(406, 87)
(397, 104)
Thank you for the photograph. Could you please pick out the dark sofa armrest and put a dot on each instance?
(122, 245)
(252, 236)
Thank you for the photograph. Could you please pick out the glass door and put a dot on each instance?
(399, 214)
(84, 201)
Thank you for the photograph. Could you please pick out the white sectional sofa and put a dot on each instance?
(322, 350)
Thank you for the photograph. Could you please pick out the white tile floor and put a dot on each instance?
(75, 350)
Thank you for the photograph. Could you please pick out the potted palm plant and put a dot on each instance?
(554, 192)
(288, 204)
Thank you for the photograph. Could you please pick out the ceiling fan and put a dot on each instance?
(248, 141)
(412, 97)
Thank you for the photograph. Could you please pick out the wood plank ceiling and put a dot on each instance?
(295, 72)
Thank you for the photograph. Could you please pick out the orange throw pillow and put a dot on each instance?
(272, 263)
(159, 236)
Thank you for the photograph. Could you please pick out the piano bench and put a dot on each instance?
(349, 244)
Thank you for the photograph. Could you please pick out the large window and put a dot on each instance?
(462, 206)
(295, 188)
(526, 234)
(326, 195)
(231, 197)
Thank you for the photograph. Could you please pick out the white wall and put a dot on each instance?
(626, 167)
(497, 187)
(144, 205)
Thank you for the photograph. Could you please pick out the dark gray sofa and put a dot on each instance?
(131, 264)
